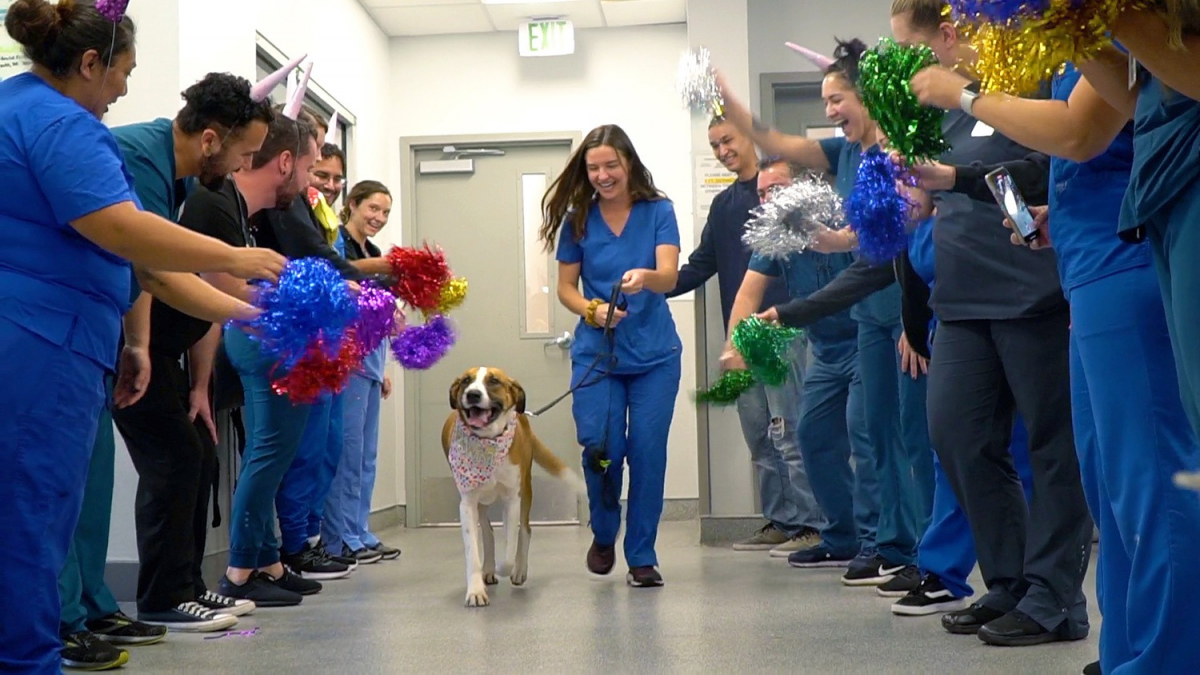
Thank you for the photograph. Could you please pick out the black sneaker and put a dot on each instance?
(644, 577)
(364, 556)
(905, 581)
(224, 605)
(86, 651)
(870, 570)
(190, 617)
(295, 583)
(601, 558)
(259, 589)
(1092, 668)
(119, 629)
(387, 552)
(310, 563)
(818, 556)
(930, 597)
(350, 563)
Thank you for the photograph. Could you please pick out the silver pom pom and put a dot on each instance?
(697, 84)
(788, 222)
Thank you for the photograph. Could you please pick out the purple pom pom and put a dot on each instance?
(420, 347)
(376, 317)
(310, 301)
(876, 210)
(113, 10)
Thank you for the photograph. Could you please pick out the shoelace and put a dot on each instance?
(197, 610)
(85, 639)
(215, 599)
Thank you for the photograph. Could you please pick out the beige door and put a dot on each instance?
(486, 220)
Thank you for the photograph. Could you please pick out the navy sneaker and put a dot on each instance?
(870, 570)
(819, 556)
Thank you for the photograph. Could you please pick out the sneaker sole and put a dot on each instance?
(96, 667)
(324, 576)
(242, 609)
(891, 594)
(369, 561)
(208, 626)
(632, 584)
(389, 556)
(754, 547)
(824, 564)
(127, 641)
(927, 610)
(869, 581)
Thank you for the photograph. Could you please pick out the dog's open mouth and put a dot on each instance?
(481, 417)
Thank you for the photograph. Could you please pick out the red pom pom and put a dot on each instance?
(318, 373)
(421, 273)
(314, 197)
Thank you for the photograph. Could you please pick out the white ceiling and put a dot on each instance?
(442, 17)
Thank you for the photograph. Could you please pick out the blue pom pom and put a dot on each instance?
(876, 210)
(310, 301)
(998, 11)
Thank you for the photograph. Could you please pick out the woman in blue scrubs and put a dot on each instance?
(618, 234)
(72, 226)
(894, 405)
(1131, 431)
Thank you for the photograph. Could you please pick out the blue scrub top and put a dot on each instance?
(646, 337)
(834, 338)
(1085, 201)
(881, 308)
(59, 163)
(1166, 154)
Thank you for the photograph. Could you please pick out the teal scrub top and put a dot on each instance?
(881, 308)
(59, 163)
(834, 338)
(646, 337)
(1166, 156)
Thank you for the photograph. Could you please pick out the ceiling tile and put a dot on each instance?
(583, 13)
(642, 12)
(432, 20)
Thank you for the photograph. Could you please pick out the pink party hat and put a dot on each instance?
(331, 133)
(821, 61)
(262, 90)
(296, 102)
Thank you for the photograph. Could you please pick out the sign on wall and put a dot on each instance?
(550, 37)
(711, 179)
(12, 61)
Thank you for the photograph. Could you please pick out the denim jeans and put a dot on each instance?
(770, 419)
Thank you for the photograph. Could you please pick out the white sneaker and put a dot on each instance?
(190, 617)
(225, 605)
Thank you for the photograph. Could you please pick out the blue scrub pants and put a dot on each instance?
(1175, 241)
(948, 548)
(349, 503)
(81, 588)
(1132, 436)
(832, 429)
(273, 430)
(50, 401)
(639, 410)
(898, 429)
(770, 423)
(306, 485)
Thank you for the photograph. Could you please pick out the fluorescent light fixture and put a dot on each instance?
(518, 2)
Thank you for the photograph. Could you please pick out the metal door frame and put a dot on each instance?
(409, 145)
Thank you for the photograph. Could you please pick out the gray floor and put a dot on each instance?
(721, 612)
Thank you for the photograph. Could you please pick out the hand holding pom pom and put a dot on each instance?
(877, 211)
(420, 275)
(697, 84)
(793, 218)
(311, 301)
(885, 73)
(765, 348)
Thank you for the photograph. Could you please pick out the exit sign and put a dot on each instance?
(555, 37)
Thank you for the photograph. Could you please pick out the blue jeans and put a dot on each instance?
(50, 401)
(273, 430)
(832, 429)
(298, 490)
(639, 409)
(899, 434)
(349, 503)
(769, 417)
(84, 594)
(1132, 435)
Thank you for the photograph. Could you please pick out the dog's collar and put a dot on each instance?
(473, 460)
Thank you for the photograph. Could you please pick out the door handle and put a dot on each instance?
(563, 341)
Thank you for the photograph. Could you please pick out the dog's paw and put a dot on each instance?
(519, 576)
(490, 579)
(477, 598)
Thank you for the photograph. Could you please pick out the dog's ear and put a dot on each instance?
(518, 393)
(455, 393)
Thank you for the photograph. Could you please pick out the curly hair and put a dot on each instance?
(221, 101)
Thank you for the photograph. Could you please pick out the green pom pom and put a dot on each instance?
(727, 389)
(765, 347)
(883, 76)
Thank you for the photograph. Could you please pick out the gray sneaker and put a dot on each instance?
(764, 540)
(805, 540)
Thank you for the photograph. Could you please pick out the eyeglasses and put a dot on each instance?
(326, 176)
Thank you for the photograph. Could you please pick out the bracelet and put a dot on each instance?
(590, 315)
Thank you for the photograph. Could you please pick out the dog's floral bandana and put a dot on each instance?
(473, 460)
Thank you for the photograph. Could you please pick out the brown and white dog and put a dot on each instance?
(491, 448)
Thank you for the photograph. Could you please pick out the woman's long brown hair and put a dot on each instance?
(571, 194)
(361, 191)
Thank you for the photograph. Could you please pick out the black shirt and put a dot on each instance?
(220, 214)
(980, 274)
(295, 233)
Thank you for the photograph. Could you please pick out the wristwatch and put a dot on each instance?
(967, 101)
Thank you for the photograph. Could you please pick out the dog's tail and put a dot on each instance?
(556, 467)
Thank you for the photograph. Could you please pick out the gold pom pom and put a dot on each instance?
(453, 294)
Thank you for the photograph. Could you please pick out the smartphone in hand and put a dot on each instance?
(1000, 182)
